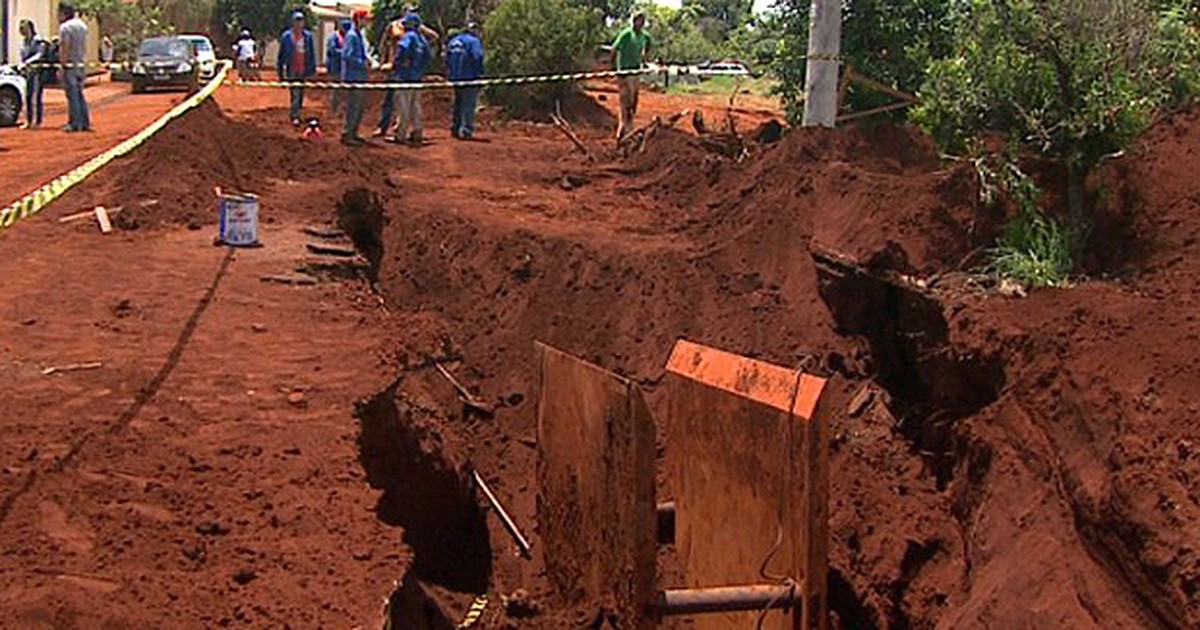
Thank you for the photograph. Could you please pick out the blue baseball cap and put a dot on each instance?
(298, 16)
(412, 19)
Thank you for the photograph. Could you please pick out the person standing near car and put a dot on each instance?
(355, 65)
(333, 60)
(297, 62)
(628, 49)
(464, 62)
(72, 45)
(246, 50)
(33, 48)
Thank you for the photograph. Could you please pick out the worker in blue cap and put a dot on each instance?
(297, 62)
(333, 59)
(412, 59)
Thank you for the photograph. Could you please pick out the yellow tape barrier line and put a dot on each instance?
(37, 200)
(435, 85)
(474, 613)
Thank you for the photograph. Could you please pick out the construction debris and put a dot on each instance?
(72, 367)
(522, 543)
(469, 399)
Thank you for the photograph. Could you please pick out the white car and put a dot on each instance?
(723, 69)
(206, 55)
(12, 96)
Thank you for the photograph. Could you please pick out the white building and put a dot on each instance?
(44, 14)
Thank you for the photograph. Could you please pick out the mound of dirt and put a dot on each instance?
(157, 184)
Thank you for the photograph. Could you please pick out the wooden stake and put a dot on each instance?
(102, 220)
(71, 218)
(565, 127)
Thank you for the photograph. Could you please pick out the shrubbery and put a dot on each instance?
(539, 37)
(1072, 80)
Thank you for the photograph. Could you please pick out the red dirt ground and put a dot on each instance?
(1026, 462)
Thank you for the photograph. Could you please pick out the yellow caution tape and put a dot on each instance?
(441, 85)
(474, 613)
(37, 200)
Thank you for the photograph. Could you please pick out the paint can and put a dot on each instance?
(238, 219)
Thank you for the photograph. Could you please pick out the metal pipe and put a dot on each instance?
(522, 542)
(699, 601)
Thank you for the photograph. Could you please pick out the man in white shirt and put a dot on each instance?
(72, 46)
(247, 53)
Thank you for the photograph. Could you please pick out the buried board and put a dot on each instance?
(596, 511)
(747, 461)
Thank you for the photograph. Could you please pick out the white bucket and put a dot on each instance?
(238, 220)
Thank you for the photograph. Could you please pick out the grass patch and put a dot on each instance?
(758, 86)
(1035, 250)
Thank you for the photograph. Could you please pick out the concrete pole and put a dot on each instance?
(824, 49)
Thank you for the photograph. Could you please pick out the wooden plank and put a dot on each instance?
(747, 477)
(596, 513)
(762, 382)
(102, 220)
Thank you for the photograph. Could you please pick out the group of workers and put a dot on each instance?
(407, 48)
(40, 59)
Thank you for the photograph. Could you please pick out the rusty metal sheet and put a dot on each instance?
(749, 478)
(596, 510)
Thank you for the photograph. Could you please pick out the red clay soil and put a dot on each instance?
(1027, 469)
(1024, 463)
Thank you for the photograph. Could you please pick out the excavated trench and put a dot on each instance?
(429, 497)
(932, 385)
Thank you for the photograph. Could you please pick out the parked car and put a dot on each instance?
(12, 96)
(723, 69)
(206, 55)
(165, 62)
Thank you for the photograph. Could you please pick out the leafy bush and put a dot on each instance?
(1034, 249)
(891, 42)
(1074, 80)
(538, 37)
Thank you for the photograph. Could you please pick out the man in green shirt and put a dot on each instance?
(630, 45)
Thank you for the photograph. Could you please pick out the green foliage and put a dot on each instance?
(1074, 79)
(126, 23)
(1034, 249)
(756, 41)
(676, 36)
(441, 15)
(538, 37)
(729, 14)
(266, 19)
(891, 42)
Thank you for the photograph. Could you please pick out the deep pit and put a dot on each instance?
(424, 492)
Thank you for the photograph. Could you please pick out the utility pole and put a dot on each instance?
(824, 51)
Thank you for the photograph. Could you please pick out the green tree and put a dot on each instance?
(676, 35)
(539, 37)
(1074, 80)
(891, 42)
(729, 14)
(127, 23)
(266, 19)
